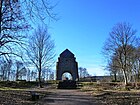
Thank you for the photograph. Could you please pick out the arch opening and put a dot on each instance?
(66, 76)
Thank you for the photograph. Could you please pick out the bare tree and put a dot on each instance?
(33, 75)
(113, 67)
(3, 70)
(51, 77)
(39, 9)
(41, 50)
(20, 70)
(135, 65)
(16, 17)
(46, 73)
(9, 66)
(5, 66)
(121, 38)
(83, 72)
(14, 20)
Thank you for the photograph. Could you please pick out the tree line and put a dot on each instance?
(11, 70)
(122, 52)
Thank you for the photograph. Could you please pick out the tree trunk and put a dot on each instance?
(115, 77)
(8, 75)
(17, 74)
(39, 79)
(135, 79)
(125, 78)
(40, 69)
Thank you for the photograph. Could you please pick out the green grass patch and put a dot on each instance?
(9, 88)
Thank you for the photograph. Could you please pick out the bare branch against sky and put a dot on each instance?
(15, 22)
(41, 50)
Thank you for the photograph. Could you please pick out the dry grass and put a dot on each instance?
(113, 94)
(11, 96)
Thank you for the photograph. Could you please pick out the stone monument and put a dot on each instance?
(67, 63)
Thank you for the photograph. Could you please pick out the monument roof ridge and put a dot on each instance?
(67, 54)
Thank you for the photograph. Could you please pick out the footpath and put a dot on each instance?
(68, 97)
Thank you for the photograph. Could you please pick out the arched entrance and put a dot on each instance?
(67, 63)
(66, 76)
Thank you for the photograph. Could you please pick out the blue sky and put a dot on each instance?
(84, 25)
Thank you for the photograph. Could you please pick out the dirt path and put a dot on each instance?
(68, 97)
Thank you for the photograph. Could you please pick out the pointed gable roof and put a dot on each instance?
(67, 54)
